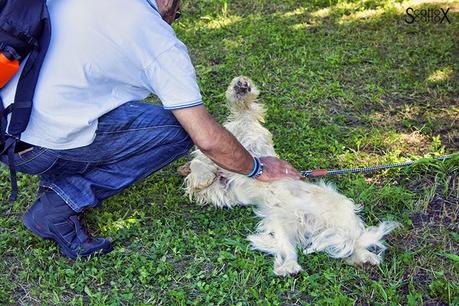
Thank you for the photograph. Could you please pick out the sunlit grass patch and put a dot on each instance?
(221, 21)
(440, 75)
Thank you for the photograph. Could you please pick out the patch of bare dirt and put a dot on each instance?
(422, 278)
(440, 211)
(435, 115)
(430, 234)
(434, 302)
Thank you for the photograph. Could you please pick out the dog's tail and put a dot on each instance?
(369, 246)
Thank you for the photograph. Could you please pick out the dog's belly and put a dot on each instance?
(300, 198)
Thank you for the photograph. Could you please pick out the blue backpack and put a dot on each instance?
(25, 32)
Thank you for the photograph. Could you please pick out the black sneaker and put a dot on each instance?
(51, 218)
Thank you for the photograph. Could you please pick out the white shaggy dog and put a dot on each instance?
(314, 217)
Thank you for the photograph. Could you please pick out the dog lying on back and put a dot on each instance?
(293, 214)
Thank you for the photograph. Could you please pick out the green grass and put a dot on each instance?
(346, 84)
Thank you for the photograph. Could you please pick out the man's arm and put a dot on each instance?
(224, 149)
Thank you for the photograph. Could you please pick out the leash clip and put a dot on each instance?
(314, 173)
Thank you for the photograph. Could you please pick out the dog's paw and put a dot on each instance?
(202, 175)
(361, 257)
(289, 267)
(184, 170)
(204, 180)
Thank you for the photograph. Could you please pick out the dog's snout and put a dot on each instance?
(374, 249)
(242, 87)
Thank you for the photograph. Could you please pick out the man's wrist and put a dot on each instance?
(257, 168)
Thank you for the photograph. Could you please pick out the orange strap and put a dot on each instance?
(7, 69)
(319, 172)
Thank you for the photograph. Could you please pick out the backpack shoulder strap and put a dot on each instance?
(25, 90)
(3, 123)
(25, 28)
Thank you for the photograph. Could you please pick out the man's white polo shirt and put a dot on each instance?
(103, 54)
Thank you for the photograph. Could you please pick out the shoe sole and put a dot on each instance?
(37, 231)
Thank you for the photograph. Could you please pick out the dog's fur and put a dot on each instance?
(294, 213)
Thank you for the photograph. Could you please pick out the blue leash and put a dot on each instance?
(322, 172)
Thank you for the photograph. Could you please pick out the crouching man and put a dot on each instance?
(90, 135)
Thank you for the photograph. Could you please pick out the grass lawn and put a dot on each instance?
(346, 84)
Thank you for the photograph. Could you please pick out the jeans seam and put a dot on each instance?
(63, 195)
(128, 156)
(49, 168)
(85, 168)
(169, 160)
(23, 162)
(139, 129)
(115, 160)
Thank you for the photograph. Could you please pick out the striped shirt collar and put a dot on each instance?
(153, 4)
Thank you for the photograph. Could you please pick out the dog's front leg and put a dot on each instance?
(202, 175)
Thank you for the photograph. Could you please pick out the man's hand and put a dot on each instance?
(275, 169)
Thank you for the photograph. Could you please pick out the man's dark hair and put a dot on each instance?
(172, 8)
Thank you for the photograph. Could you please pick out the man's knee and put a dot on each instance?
(167, 116)
(180, 136)
(184, 139)
(189, 142)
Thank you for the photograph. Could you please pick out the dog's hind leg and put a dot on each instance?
(289, 264)
(371, 239)
(278, 244)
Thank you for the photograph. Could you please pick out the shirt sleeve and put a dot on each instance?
(173, 79)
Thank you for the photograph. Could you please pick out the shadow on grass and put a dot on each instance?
(359, 66)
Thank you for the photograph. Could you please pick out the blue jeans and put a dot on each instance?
(131, 142)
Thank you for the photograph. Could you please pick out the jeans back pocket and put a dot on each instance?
(36, 160)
